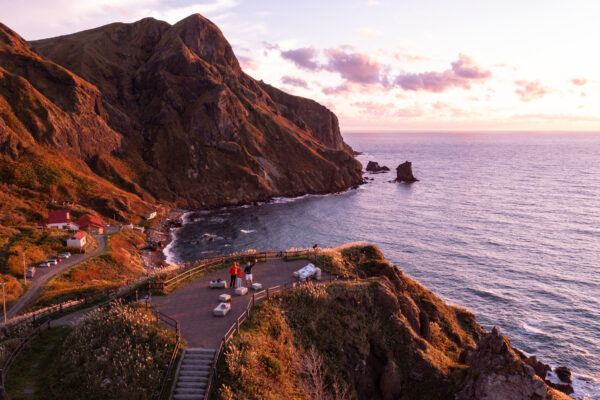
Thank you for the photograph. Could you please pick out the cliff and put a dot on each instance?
(196, 129)
(126, 116)
(384, 336)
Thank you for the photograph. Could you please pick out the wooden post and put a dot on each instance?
(136, 295)
(237, 325)
(61, 307)
(253, 299)
(267, 292)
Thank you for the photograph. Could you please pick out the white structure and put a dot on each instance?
(241, 291)
(222, 309)
(306, 272)
(77, 241)
(218, 284)
(224, 298)
(257, 286)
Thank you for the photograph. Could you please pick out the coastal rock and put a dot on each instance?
(497, 372)
(404, 173)
(563, 373)
(375, 168)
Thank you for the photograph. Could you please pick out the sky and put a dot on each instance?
(422, 65)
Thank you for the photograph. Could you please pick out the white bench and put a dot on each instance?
(257, 286)
(222, 309)
(218, 284)
(241, 291)
(224, 297)
(307, 271)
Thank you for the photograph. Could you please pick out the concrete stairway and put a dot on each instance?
(192, 374)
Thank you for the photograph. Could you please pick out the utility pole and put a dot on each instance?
(24, 268)
(4, 301)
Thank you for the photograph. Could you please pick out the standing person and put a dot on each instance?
(233, 274)
(239, 276)
(248, 272)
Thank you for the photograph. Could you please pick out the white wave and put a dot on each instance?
(185, 218)
(170, 257)
(247, 230)
(531, 330)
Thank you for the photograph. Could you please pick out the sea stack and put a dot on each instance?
(374, 167)
(404, 173)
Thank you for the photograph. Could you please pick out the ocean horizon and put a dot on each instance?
(506, 225)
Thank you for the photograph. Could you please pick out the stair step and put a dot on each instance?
(200, 351)
(192, 384)
(198, 374)
(185, 390)
(188, 396)
(194, 378)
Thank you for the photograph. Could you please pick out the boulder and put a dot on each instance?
(404, 173)
(563, 373)
(375, 168)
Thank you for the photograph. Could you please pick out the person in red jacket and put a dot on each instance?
(233, 271)
(239, 275)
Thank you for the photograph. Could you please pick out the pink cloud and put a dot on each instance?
(303, 58)
(343, 88)
(247, 62)
(407, 57)
(529, 90)
(578, 81)
(289, 80)
(373, 108)
(463, 72)
(466, 68)
(354, 67)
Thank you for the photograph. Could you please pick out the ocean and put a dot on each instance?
(505, 224)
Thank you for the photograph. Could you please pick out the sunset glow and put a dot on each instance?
(460, 65)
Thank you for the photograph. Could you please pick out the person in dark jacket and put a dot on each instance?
(248, 272)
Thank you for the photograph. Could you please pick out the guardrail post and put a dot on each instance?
(237, 326)
(136, 296)
(267, 292)
(253, 294)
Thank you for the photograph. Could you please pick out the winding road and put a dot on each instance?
(43, 275)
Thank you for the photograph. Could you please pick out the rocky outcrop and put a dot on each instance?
(496, 372)
(383, 336)
(404, 173)
(374, 167)
(197, 130)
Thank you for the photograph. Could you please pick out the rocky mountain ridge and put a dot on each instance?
(150, 113)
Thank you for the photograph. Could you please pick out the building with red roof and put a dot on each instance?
(60, 219)
(77, 241)
(91, 224)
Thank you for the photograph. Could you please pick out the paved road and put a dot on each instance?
(43, 275)
(193, 303)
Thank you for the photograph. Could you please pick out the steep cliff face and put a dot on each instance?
(384, 336)
(198, 130)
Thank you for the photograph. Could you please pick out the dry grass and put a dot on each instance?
(336, 341)
(120, 353)
(119, 263)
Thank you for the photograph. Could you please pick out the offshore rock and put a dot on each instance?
(374, 167)
(404, 173)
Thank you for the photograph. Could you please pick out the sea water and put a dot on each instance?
(505, 224)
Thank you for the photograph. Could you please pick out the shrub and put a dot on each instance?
(120, 353)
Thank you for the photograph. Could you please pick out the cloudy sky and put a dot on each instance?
(390, 64)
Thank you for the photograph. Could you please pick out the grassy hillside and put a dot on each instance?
(382, 337)
(119, 263)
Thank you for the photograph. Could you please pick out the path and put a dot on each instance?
(43, 275)
(193, 303)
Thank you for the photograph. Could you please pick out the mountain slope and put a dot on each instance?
(197, 130)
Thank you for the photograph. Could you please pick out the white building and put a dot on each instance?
(77, 241)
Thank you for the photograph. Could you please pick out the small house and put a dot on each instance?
(59, 219)
(77, 241)
(91, 224)
(150, 215)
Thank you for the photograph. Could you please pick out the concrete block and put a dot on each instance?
(257, 286)
(241, 291)
(222, 309)
(224, 297)
(218, 284)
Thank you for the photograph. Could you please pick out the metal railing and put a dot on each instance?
(191, 269)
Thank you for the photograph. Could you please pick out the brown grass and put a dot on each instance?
(119, 263)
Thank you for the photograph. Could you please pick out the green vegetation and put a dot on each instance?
(118, 263)
(350, 339)
(32, 374)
